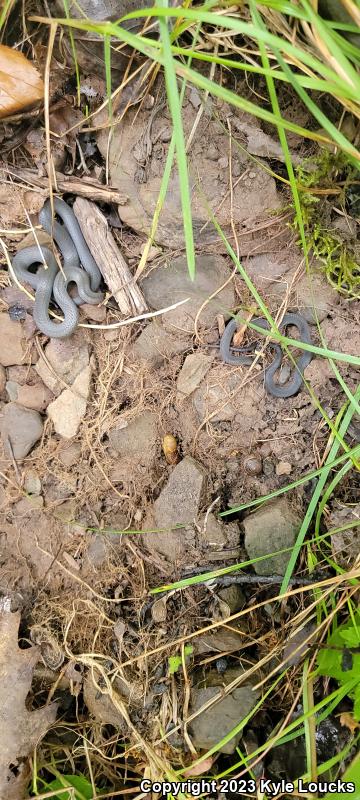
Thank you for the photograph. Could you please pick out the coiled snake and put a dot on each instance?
(36, 265)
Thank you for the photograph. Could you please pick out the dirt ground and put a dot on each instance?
(87, 519)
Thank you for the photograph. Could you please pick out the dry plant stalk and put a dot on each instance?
(107, 255)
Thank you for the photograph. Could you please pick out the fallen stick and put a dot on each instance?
(83, 187)
(108, 257)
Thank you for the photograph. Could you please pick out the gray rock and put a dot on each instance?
(319, 293)
(233, 597)
(168, 284)
(221, 641)
(272, 528)
(22, 428)
(67, 358)
(216, 722)
(155, 345)
(67, 411)
(345, 544)
(69, 454)
(220, 383)
(37, 396)
(97, 552)
(32, 483)
(179, 503)
(135, 443)
(194, 369)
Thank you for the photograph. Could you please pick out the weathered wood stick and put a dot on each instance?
(83, 187)
(108, 257)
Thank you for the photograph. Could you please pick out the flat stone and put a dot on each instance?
(135, 444)
(220, 383)
(67, 357)
(67, 411)
(97, 552)
(95, 313)
(171, 283)
(233, 596)
(316, 291)
(21, 427)
(13, 337)
(69, 453)
(214, 531)
(274, 527)
(221, 641)
(194, 369)
(179, 503)
(37, 396)
(32, 483)
(155, 345)
(216, 722)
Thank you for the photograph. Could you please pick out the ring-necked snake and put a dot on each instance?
(295, 381)
(49, 281)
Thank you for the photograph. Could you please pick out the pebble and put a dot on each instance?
(273, 527)
(14, 335)
(69, 454)
(32, 483)
(253, 465)
(36, 397)
(194, 369)
(95, 313)
(67, 358)
(212, 153)
(22, 427)
(283, 468)
(67, 411)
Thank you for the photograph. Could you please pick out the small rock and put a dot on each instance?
(96, 554)
(233, 596)
(14, 335)
(179, 502)
(158, 610)
(37, 396)
(194, 369)
(220, 383)
(155, 345)
(223, 162)
(2, 380)
(27, 505)
(95, 313)
(345, 544)
(194, 97)
(216, 722)
(221, 641)
(21, 427)
(212, 153)
(101, 705)
(32, 483)
(173, 281)
(69, 408)
(214, 531)
(317, 291)
(14, 296)
(135, 444)
(283, 468)
(69, 454)
(269, 529)
(253, 465)
(67, 357)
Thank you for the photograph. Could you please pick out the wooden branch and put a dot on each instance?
(108, 257)
(82, 187)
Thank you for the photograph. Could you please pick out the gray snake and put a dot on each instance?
(48, 281)
(294, 384)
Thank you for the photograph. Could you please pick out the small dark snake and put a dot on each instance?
(295, 381)
(48, 281)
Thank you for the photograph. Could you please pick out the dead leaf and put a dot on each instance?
(20, 729)
(347, 721)
(20, 83)
(199, 769)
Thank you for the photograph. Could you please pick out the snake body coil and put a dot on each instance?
(295, 382)
(48, 280)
